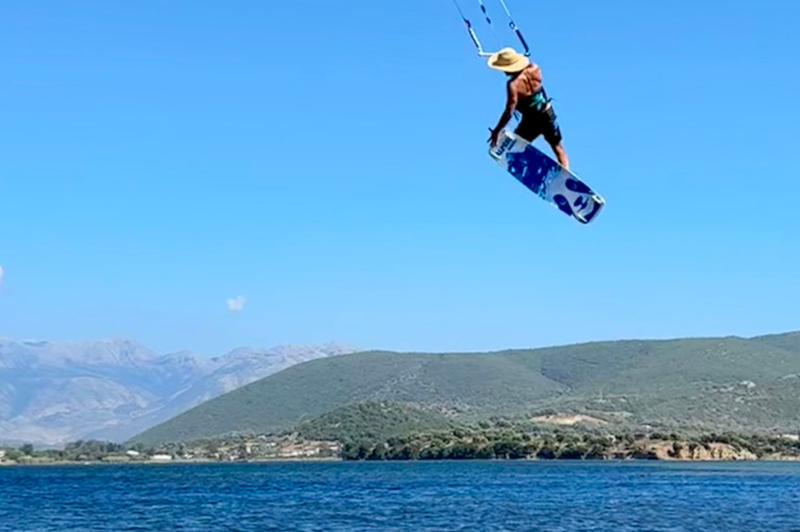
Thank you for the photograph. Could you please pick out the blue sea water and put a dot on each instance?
(403, 497)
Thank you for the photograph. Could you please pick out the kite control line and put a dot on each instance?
(489, 22)
(471, 31)
(515, 28)
(474, 36)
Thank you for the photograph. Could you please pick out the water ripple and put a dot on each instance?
(404, 497)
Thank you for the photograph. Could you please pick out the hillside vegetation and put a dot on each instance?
(373, 421)
(706, 383)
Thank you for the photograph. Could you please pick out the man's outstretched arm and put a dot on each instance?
(511, 103)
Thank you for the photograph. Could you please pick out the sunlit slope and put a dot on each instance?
(454, 383)
(788, 341)
(666, 365)
(749, 383)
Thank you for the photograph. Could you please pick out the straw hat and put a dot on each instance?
(508, 60)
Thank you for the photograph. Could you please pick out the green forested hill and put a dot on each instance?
(787, 341)
(722, 383)
(373, 421)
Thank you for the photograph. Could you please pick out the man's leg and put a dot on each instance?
(552, 134)
(527, 130)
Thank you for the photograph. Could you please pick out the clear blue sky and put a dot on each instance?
(327, 161)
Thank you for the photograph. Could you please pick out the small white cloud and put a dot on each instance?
(1, 275)
(236, 304)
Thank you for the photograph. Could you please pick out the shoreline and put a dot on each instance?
(95, 463)
(89, 463)
(459, 445)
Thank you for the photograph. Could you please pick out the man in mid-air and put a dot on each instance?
(526, 94)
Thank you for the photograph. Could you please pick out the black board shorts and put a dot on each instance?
(535, 123)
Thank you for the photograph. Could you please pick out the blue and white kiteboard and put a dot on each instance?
(546, 178)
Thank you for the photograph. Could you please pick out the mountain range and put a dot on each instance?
(52, 393)
(706, 384)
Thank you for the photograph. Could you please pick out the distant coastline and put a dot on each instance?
(458, 444)
(146, 463)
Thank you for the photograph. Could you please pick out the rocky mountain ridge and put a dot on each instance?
(54, 392)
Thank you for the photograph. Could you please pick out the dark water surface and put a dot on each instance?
(403, 497)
